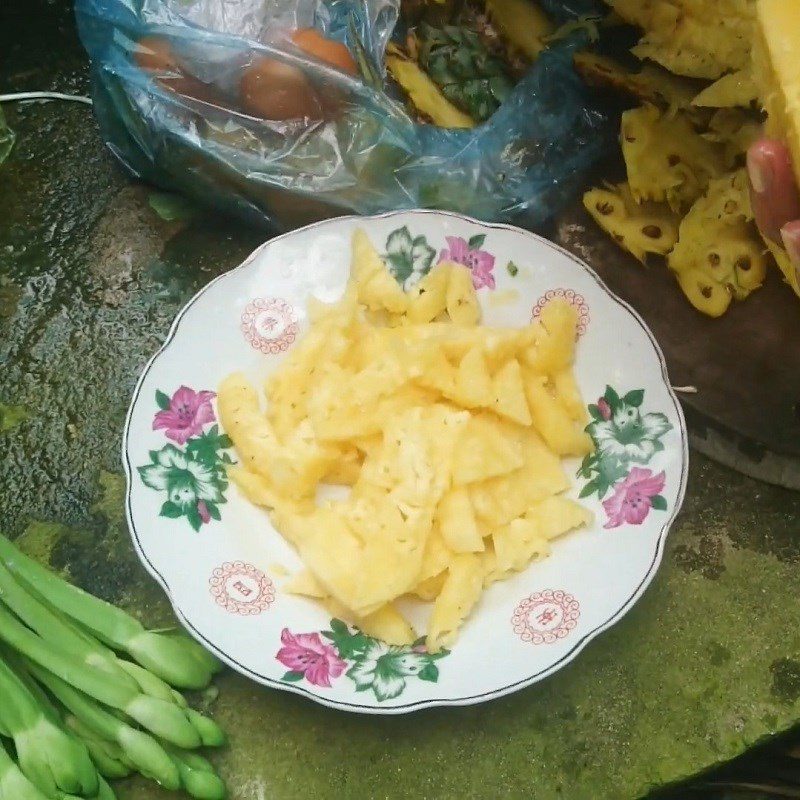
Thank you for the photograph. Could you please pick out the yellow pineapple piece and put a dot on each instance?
(473, 383)
(557, 515)
(438, 374)
(775, 58)
(461, 300)
(569, 394)
(424, 93)
(293, 469)
(255, 487)
(499, 500)
(303, 583)
(487, 448)
(551, 420)
(638, 228)
(388, 625)
(519, 543)
(456, 519)
(428, 298)
(435, 558)
(346, 469)
(553, 339)
(376, 287)
(430, 588)
(460, 592)
(509, 393)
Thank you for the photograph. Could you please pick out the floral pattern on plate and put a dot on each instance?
(410, 258)
(624, 437)
(194, 475)
(372, 665)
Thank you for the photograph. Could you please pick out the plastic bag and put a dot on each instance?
(180, 123)
(564, 10)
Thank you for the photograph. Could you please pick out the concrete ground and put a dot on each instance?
(707, 664)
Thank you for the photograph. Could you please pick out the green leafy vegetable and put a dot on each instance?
(176, 659)
(49, 757)
(77, 711)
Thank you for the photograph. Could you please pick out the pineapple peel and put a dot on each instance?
(718, 247)
(638, 228)
(715, 251)
(696, 38)
(666, 159)
(651, 84)
(736, 89)
(735, 130)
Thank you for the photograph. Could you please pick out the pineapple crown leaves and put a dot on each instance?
(469, 75)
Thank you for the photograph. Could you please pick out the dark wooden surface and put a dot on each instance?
(745, 365)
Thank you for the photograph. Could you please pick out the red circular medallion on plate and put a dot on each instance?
(240, 588)
(545, 617)
(269, 324)
(577, 301)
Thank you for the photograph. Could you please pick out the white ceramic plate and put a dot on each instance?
(223, 565)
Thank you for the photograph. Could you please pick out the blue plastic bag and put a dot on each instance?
(565, 10)
(364, 154)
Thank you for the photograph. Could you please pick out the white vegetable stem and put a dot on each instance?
(28, 96)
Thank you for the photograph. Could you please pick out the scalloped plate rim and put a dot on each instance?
(310, 693)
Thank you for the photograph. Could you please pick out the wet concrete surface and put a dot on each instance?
(707, 663)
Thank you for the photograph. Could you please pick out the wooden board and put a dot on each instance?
(745, 365)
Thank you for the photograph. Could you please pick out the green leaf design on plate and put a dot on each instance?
(171, 510)
(612, 398)
(162, 400)
(195, 520)
(634, 398)
(429, 673)
(408, 257)
(658, 502)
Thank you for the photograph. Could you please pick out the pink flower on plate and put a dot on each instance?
(633, 498)
(187, 413)
(306, 653)
(479, 261)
